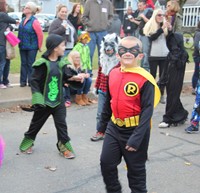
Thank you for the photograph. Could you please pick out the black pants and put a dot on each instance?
(112, 152)
(153, 70)
(40, 117)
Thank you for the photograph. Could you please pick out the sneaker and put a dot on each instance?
(162, 99)
(192, 129)
(67, 104)
(3, 86)
(68, 154)
(193, 91)
(28, 151)
(8, 85)
(98, 136)
(163, 125)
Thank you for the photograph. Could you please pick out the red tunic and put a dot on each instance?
(125, 97)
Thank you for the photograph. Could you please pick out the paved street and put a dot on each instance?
(173, 165)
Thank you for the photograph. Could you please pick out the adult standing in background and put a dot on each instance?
(130, 27)
(63, 27)
(144, 15)
(157, 29)
(75, 16)
(31, 37)
(97, 17)
(5, 20)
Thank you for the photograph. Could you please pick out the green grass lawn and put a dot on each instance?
(15, 63)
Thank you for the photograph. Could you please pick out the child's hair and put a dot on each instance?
(33, 7)
(71, 56)
(131, 39)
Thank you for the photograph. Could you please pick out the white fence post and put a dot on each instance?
(191, 16)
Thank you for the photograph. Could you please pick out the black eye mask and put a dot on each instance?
(135, 50)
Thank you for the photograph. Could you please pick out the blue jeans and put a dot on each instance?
(86, 86)
(145, 50)
(2, 62)
(195, 75)
(6, 72)
(96, 38)
(27, 59)
(101, 102)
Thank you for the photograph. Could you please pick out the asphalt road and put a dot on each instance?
(173, 165)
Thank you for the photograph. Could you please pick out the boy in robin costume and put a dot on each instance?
(49, 74)
(131, 97)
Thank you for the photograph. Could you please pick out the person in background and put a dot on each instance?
(75, 16)
(196, 57)
(157, 29)
(130, 27)
(173, 16)
(131, 97)
(97, 18)
(144, 15)
(31, 38)
(49, 73)
(63, 27)
(108, 60)
(116, 24)
(5, 20)
(81, 97)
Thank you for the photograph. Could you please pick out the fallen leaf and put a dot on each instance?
(188, 164)
(51, 168)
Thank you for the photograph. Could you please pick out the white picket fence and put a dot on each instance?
(191, 16)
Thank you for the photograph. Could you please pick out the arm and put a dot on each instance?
(38, 31)
(156, 35)
(37, 84)
(57, 28)
(147, 103)
(7, 19)
(85, 18)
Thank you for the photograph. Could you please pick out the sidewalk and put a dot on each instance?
(22, 95)
(17, 95)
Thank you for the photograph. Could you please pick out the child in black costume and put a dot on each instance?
(49, 74)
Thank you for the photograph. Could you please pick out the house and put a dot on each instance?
(191, 13)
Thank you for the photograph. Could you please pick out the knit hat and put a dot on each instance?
(52, 42)
(83, 35)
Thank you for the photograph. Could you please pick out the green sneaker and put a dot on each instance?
(66, 150)
(26, 145)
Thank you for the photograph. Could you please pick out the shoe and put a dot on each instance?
(98, 136)
(193, 91)
(28, 151)
(3, 86)
(8, 85)
(23, 85)
(68, 154)
(162, 99)
(163, 125)
(78, 100)
(67, 104)
(192, 129)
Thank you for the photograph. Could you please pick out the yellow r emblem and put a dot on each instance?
(131, 89)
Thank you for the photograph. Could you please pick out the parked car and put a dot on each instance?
(51, 17)
(44, 21)
(18, 17)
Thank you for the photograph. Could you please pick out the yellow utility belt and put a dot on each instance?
(127, 122)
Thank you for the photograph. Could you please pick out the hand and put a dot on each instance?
(128, 148)
(78, 78)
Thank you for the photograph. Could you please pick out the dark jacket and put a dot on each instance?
(115, 25)
(196, 52)
(5, 20)
(128, 26)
